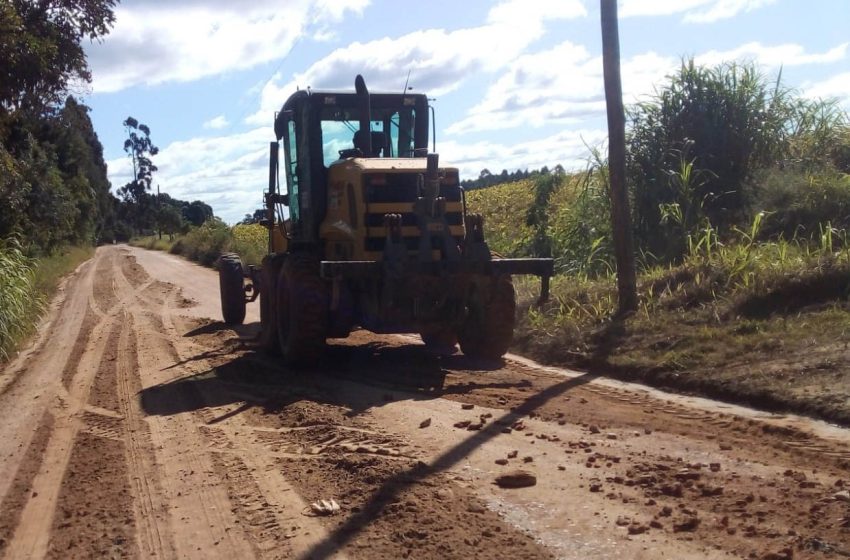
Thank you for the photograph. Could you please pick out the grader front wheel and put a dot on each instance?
(232, 288)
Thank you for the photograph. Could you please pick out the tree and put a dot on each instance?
(40, 45)
(623, 244)
(255, 218)
(169, 220)
(197, 212)
(141, 149)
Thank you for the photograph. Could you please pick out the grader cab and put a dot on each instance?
(377, 236)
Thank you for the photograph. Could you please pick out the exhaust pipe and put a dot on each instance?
(365, 141)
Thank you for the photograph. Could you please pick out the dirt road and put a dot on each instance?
(140, 427)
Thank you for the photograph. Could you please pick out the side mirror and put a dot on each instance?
(284, 199)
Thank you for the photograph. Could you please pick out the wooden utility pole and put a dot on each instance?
(623, 244)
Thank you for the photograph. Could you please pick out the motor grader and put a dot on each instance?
(377, 236)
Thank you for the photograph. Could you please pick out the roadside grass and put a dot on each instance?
(26, 285)
(760, 323)
(204, 244)
(154, 243)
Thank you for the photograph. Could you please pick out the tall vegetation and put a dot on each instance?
(53, 186)
(42, 52)
(16, 295)
(697, 149)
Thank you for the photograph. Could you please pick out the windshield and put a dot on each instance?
(391, 130)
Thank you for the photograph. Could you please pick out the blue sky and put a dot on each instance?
(517, 83)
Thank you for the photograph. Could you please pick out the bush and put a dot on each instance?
(250, 242)
(206, 243)
(725, 120)
(799, 204)
(501, 206)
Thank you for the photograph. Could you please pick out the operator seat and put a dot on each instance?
(379, 143)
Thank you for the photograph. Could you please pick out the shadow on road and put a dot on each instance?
(410, 371)
(390, 489)
(407, 371)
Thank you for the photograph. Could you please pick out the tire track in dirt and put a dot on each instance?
(83, 430)
(211, 453)
(200, 510)
(85, 357)
(35, 378)
(31, 537)
(21, 485)
(151, 514)
(265, 501)
(93, 517)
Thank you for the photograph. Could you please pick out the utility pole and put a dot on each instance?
(158, 212)
(623, 243)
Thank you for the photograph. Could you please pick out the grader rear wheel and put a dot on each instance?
(489, 327)
(232, 288)
(302, 310)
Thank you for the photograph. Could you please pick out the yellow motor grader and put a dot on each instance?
(377, 236)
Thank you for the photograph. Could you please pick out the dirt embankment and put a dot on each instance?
(144, 430)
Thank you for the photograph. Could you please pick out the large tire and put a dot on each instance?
(231, 282)
(302, 311)
(488, 330)
(268, 339)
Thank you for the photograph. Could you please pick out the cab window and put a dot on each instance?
(291, 157)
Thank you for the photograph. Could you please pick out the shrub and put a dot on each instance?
(250, 242)
(799, 204)
(206, 243)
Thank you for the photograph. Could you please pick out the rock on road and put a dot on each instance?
(139, 426)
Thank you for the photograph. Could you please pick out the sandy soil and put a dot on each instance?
(139, 426)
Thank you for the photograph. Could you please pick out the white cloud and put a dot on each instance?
(837, 86)
(788, 54)
(568, 148)
(513, 11)
(438, 60)
(229, 173)
(157, 41)
(638, 8)
(217, 123)
(695, 11)
(725, 9)
(532, 93)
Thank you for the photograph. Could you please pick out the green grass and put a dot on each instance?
(749, 314)
(26, 286)
(206, 243)
(763, 323)
(153, 242)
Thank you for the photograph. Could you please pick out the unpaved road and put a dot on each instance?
(140, 427)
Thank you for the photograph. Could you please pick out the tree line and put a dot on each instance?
(54, 188)
(487, 179)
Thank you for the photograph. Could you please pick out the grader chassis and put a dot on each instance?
(378, 236)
